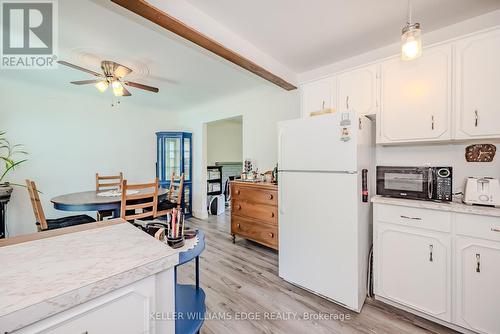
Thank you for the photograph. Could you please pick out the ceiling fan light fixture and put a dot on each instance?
(117, 88)
(102, 86)
(411, 38)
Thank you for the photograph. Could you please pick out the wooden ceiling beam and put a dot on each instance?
(157, 16)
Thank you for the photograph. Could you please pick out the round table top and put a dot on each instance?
(90, 198)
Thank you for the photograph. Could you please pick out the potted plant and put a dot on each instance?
(8, 152)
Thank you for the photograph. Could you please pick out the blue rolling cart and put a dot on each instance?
(175, 154)
(190, 299)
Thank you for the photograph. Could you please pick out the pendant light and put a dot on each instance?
(411, 38)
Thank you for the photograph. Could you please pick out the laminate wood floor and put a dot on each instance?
(241, 281)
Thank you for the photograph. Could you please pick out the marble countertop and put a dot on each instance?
(43, 277)
(455, 206)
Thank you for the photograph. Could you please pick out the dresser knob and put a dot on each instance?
(270, 196)
(272, 214)
(238, 225)
(237, 192)
(271, 235)
(239, 207)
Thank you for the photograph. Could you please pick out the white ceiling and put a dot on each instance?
(306, 34)
(93, 30)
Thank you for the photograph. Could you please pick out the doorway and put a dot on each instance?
(224, 162)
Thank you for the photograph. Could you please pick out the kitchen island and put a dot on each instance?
(104, 277)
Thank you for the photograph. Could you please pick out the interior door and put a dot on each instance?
(416, 97)
(358, 90)
(318, 233)
(478, 79)
(478, 289)
(315, 143)
(414, 269)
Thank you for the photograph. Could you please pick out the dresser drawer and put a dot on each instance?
(483, 227)
(265, 213)
(414, 217)
(263, 196)
(256, 231)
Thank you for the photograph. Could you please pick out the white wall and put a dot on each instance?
(71, 134)
(439, 155)
(261, 111)
(225, 141)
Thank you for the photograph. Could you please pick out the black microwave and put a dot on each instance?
(423, 183)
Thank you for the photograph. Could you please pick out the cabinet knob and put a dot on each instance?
(270, 196)
(272, 214)
(239, 207)
(238, 225)
(271, 234)
(237, 192)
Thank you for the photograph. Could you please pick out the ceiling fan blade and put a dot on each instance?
(85, 82)
(76, 67)
(141, 86)
(126, 92)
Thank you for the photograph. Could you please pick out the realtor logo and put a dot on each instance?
(29, 34)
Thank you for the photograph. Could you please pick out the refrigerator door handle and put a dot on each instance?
(280, 196)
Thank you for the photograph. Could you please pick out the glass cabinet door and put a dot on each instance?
(172, 155)
(187, 159)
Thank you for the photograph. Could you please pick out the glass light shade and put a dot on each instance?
(102, 86)
(117, 88)
(411, 42)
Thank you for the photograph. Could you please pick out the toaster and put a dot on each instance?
(482, 191)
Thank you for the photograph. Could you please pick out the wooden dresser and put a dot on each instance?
(254, 212)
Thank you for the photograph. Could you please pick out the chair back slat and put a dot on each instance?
(108, 182)
(179, 184)
(37, 206)
(128, 204)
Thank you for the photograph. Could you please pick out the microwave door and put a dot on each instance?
(405, 182)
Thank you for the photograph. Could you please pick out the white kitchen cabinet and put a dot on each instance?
(126, 310)
(477, 284)
(416, 98)
(477, 82)
(319, 95)
(358, 90)
(464, 268)
(413, 268)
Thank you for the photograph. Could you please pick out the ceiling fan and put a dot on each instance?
(112, 75)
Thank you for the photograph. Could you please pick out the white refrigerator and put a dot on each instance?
(324, 225)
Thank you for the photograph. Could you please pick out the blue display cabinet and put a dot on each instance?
(175, 154)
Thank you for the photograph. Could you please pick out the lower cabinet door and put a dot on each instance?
(413, 269)
(478, 285)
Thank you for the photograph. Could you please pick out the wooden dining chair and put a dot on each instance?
(104, 183)
(42, 223)
(174, 199)
(146, 201)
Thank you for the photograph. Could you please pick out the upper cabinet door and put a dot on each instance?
(318, 95)
(416, 98)
(478, 86)
(358, 90)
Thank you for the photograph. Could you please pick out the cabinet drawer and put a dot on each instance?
(253, 230)
(266, 213)
(263, 196)
(483, 227)
(414, 217)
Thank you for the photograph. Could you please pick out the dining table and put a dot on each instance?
(92, 201)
